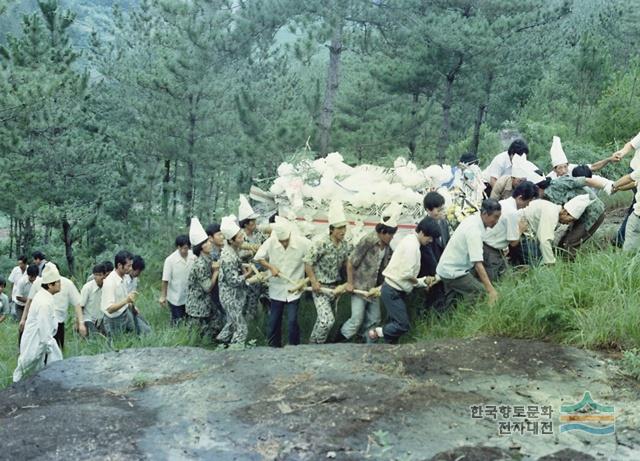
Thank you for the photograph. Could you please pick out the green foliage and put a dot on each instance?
(631, 363)
(589, 302)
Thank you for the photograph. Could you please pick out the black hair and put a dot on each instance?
(38, 255)
(272, 218)
(382, 228)
(213, 229)
(32, 270)
(138, 263)
(546, 182)
(197, 249)
(490, 206)
(469, 159)
(432, 200)
(107, 265)
(121, 257)
(98, 269)
(23, 259)
(244, 222)
(47, 285)
(3, 282)
(429, 226)
(582, 171)
(526, 189)
(182, 240)
(518, 147)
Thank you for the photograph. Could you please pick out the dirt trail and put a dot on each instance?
(343, 402)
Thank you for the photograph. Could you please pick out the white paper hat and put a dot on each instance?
(576, 206)
(534, 177)
(336, 214)
(197, 233)
(281, 228)
(229, 227)
(392, 213)
(558, 156)
(519, 166)
(245, 211)
(50, 273)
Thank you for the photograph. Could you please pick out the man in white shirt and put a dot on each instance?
(282, 254)
(39, 259)
(400, 277)
(632, 228)
(501, 163)
(67, 296)
(464, 253)
(542, 219)
(38, 346)
(15, 275)
(632, 145)
(91, 299)
(506, 233)
(116, 303)
(175, 273)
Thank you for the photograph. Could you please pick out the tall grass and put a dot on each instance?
(591, 302)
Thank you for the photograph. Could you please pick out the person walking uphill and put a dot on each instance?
(323, 262)
(233, 284)
(200, 308)
(400, 277)
(38, 346)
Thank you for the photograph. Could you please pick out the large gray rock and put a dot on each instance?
(409, 402)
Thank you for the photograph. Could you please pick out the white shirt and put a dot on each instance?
(23, 286)
(176, 272)
(91, 298)
(14, 276)
(499, 166)
(114, 290)
(542, 218)
(67, 296)
(506, 229)
(288, 261)
(635, 142)
(463, 250)
(37, 341)
(404, 264)
(635, 175)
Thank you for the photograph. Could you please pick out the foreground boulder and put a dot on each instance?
(410, 402)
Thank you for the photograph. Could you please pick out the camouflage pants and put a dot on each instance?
(235, 329)
(325, 319)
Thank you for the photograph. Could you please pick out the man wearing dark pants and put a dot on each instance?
(175, 273)
(461, 266)
(282, 255)
(400, 277)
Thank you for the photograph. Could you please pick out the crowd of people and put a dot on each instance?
(217, 278)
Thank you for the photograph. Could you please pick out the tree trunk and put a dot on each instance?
(11, 237)
(174, 205)
(165, 188)
(331, 90)
(482, 111)
(68, 242)
(189, 183)
(415, 98)
(446, 109)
